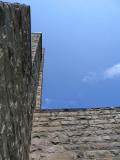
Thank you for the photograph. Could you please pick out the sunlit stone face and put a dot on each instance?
(60, 156)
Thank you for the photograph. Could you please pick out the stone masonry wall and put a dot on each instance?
(78, 134)
(17, 96)
(39, 84)
(37, 56)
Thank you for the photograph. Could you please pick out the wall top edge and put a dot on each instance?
(76, 109)
(14, 3)
(36, 33)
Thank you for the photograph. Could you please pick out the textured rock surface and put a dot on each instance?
(16, 80)
(39, 84)
(37, 57)
(76, 135)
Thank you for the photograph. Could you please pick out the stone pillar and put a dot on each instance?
(37, 63)
(15, 81)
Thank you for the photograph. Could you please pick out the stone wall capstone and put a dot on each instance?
(17, 93)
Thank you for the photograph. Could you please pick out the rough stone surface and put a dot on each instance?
(37, 56)
(17, 96)
(78, 134)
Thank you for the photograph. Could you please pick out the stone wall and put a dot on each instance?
(17, 94)
(78, 134)
(37, 58)
(39, 86)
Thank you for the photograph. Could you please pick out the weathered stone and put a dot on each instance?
(17, 80)
(59, 156)
(90, 135)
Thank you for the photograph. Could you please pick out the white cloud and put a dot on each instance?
(112, 72)
(48, 101)
(90, 77)
(109, 73)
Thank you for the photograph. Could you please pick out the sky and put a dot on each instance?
(82, 51)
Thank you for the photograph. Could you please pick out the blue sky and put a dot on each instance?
(82, 57)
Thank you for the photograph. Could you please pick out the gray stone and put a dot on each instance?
(92, 135)
(17, 81)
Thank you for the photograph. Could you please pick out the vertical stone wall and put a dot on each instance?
(37, 58)
(39, 84)
(76, 134)
(17, 86)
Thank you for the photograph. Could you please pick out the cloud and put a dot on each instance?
(112, 72)
(109, 73)
(48, 101)
(91, 76)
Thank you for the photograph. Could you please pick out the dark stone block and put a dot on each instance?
(15, 81)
